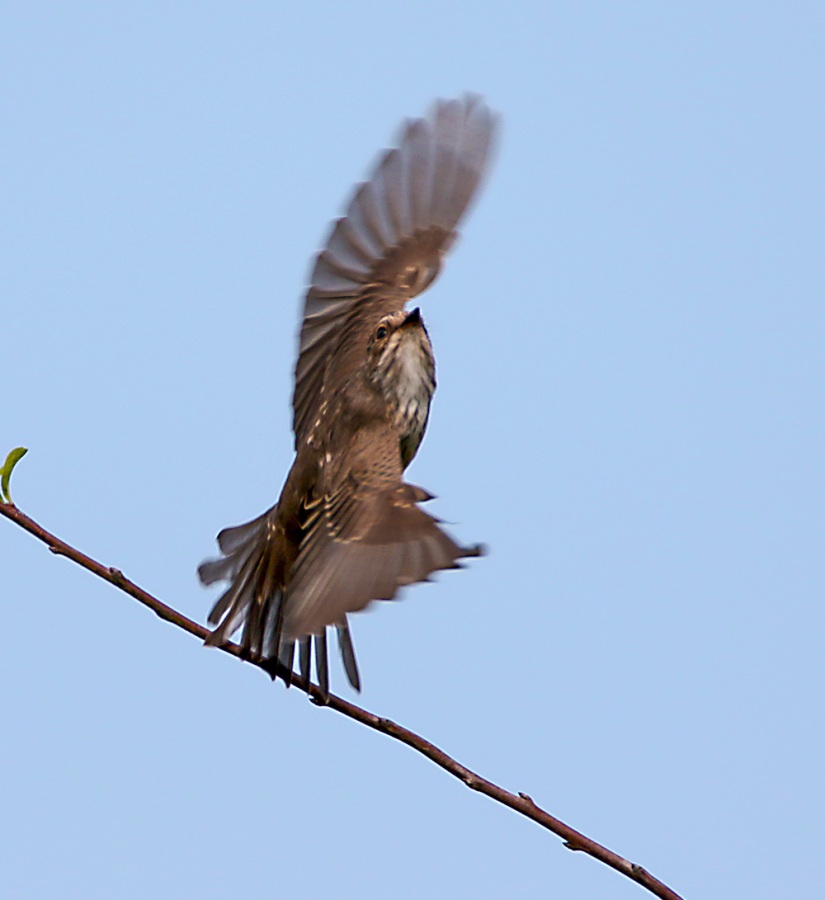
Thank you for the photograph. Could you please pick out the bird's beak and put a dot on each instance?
(413, 318)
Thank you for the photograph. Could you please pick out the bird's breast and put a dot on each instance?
(409, 385)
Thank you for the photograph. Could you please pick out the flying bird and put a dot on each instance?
(347, 529)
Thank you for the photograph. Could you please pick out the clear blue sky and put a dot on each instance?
(630, 413)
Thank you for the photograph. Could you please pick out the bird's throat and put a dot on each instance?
(407, 381)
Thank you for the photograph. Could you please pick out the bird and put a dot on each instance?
(347, 530)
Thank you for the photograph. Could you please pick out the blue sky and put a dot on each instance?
(629, 341)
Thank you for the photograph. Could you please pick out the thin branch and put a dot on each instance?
(521, 802)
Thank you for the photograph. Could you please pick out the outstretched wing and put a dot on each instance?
(366, 537)
(388, 246)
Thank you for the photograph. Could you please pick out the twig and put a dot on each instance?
(521, 802)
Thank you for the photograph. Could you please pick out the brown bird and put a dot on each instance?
(347, 529)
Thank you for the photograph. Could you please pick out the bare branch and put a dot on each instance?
(522, 803)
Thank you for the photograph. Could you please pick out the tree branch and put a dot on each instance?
(521, 802)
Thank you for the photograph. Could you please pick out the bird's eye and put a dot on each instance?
(381, 332)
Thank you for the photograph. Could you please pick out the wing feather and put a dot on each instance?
(365, 539)
(397, 227)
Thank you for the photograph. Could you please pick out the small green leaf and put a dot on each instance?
(12, 460)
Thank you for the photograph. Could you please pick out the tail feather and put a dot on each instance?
(305, 655)
(232, 607)
(249, 563)
(232, 538)
(321, 663)
(348, 655)
(286, 656)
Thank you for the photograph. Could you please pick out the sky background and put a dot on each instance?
(629, 339)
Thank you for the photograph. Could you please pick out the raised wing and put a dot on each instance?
(388, 246)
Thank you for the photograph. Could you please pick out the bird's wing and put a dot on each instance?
(388, 246)
(366, 537)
